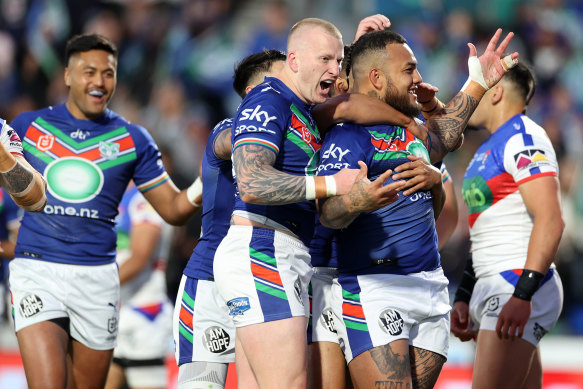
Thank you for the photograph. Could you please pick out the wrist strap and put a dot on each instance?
(527, 284)
(467, 283)
(194, 192)
(320, 187)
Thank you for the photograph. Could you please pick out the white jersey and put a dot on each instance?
(500, 224)
(149, 286)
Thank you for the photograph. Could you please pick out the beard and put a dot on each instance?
(401, 102)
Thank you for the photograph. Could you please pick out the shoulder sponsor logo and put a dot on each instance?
(109, 150)
(529, 157)
(391, 322)
(539, 331)
(216, 339)
(238, 306)
(256, 114)
(45, 142)
(30, 305)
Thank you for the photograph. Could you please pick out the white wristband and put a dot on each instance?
(475, 69)
(194, 192)
(310, 188)
(330, 186)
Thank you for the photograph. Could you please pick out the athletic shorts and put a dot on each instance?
(87, 295)
(378, 309)
(262, 275)
(145, 332)
(325, 306)
(492, 292)
(203, 330)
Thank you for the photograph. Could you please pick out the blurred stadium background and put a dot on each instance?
(175, 73)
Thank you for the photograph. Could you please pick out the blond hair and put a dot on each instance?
(325, 25)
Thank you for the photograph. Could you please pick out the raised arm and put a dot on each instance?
(447, 125)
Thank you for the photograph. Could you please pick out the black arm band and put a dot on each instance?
(527, 284)
(466, 286)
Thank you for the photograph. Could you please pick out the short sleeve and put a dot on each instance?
(529, 156)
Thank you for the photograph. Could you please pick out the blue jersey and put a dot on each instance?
(399, 238)
(218, 198)
(88, 165)
(272, 116)
(323, 246)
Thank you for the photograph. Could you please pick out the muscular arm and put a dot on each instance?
(358, 108)
(171, 203)
(222, 144)
(143, 241)
(24, 184)
(260, 183)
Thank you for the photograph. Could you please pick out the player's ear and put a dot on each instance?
(341, 85)
(497, 94)
(292, 61)
(376, 78)
(67, 77)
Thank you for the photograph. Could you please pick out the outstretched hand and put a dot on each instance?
(493, 66)
(371, 23)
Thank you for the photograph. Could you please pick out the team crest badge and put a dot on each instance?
(45, 142)
(109, 150)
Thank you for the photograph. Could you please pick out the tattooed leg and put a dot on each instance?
(425, 367)
(383, 367)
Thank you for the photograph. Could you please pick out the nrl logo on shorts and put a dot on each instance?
(30, 305)
(216, 340)
(112, 325)
(493, 304)
(238, 306)
(391, 321)
(109, 150)
(539, 331)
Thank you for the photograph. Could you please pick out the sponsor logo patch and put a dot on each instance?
(327, 320)
(391, 322)
(30, 305)
(238, 306)
(216, 339)
(45, 142)
(539, 331)
(493, 304)
(298, 290)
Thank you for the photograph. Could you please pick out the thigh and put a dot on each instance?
(501, 363)
(203, 330)
(43, 348)
(386, 366)
(262, 275)
(425, 367)
(326, 366)
(90, 366)
(276, 352)
(115, 377)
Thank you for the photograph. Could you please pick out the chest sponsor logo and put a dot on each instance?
(74, 179)
(335, 152)
(391, 322)
(257, 114)
(45, 142)
(477, 194)
(238, 306)
(79, 134)
(109, 150)
(30, 305)
(216, 339)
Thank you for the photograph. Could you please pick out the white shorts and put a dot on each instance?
(145, 332)
(87, 295)
(262, 275)
(383, 308)
(325, 306)
(203, 330)
(492, 292)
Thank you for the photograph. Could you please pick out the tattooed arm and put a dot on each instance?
(339, 211)
(222, 144)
